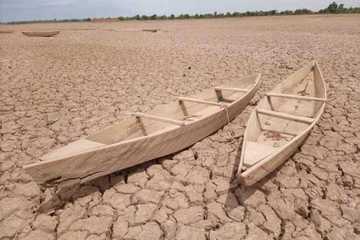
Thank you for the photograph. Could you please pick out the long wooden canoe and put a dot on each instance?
(41, 34)
(281, 122)
(142, 137)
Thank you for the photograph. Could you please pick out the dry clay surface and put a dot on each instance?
(56, 90)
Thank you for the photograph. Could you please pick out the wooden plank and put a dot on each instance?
(258, 120)
(281, 132)
(195, 100)
(319, 82)
(231, 89)
(183, 108)
(219, 95)
(296, 97)
(270, 103)
(285, 116)
(157, 118)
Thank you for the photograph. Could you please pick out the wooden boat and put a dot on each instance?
(41, 34)
(281, 122)
(151, 30)
(6, 31)
(142, 137)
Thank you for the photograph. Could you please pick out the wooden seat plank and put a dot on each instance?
(157, 118)
(296, 97)
(285, 116)
(195, 100)
(231, 89)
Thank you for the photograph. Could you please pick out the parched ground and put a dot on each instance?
(55, 90)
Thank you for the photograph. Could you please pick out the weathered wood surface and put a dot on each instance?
(194, 100)
(161, 119)
(285, 136)
(296, 97)
(124, 144)
(285, 116)
(230, 89)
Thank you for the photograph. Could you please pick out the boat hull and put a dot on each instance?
(41, 34)
(268, 164)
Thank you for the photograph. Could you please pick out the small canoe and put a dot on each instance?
(41, 34)
(151, 30)
(281, 122)
(141, 137)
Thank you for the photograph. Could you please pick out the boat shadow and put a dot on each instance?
(236, 194)
(71, 191)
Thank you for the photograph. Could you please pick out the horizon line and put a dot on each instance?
(168, 16)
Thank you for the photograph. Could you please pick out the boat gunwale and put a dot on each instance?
(254, 86)
(244, 175)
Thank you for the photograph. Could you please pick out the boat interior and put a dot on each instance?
(162, 118)
(283, 114)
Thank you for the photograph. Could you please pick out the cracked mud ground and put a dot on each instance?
(55, 90)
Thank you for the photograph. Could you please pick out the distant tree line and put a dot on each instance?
(52, 20)
(218, 15)
(339, 8)
(333, 8)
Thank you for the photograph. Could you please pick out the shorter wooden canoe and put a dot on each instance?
(41, 34)
(142, 137)
(281, 122)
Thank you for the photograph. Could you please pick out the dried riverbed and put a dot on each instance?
(55, 90)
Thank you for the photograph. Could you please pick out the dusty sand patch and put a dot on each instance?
(56, 90)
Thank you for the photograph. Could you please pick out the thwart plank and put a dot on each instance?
(285, 116)
(296, 97)
(157, 118)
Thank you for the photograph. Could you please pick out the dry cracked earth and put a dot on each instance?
(56, 90)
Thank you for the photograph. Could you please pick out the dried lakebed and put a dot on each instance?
(53, 91)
